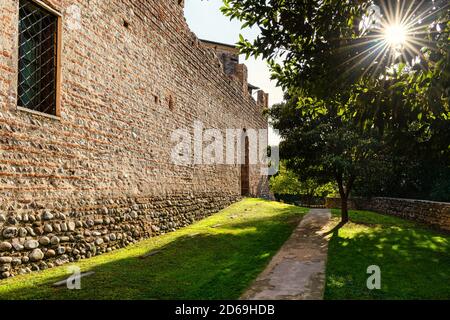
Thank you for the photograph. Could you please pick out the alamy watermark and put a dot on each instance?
(74, 281)
(203, 146)
(374, 281)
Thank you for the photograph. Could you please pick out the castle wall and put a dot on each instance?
(100, 176)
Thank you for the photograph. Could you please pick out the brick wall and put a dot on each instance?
(435, 214)
(101, 176)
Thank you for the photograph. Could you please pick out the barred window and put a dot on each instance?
(38, 61)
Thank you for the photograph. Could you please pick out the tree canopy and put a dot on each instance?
(324, 148)
(288, 182)
(326, 51)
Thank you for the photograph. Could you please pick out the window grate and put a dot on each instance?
(37, 58)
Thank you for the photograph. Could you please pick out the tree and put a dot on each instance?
(324, 148)
(288, 182)
(327, 56)
(285, 182)
(324, 49)
(305, 35)
(415, 164)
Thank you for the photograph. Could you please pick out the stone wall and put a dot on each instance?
(335, 203)
(435, 214)
(100, 176)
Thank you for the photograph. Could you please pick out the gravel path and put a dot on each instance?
(297, 272)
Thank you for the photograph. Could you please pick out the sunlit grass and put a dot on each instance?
(414, 260)
(216, 258)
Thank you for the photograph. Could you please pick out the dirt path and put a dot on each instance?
(297, 272)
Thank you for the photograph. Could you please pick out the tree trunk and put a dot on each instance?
(345, 194)
(344, 209)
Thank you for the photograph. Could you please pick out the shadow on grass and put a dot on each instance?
(414, 260)
(335, 230)
(215, 264)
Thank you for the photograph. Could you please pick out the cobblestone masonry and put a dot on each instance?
(100, 177)
(435, 214)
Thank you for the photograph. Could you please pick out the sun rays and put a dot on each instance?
(396, 36)
(394, 31)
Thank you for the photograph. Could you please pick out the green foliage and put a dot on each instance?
(317, 47)
(326, 190)
(414, 164)
(407, 91)
(323, 148)
(297, 32)
(286, 182)
(441, 188)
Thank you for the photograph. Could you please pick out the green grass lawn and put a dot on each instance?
(414, 260)
(216, 258)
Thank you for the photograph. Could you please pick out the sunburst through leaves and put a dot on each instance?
(396, 31)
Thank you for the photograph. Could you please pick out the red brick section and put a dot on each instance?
(101, 177)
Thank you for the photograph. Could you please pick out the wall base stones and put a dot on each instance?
(42, 239)
(435, 214)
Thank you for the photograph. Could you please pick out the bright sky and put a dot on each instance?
(207, 22)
